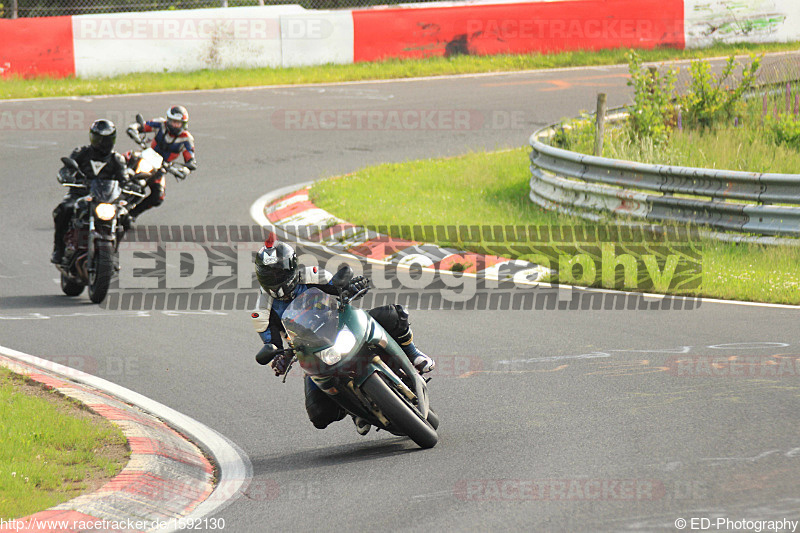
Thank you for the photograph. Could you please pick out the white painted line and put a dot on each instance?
(257, 213)
(382, 81)
(235, 469)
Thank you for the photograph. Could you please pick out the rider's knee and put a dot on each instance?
(392, 318)
(321, 409)
(323, 415)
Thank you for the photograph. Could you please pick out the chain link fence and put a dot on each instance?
(54, 8)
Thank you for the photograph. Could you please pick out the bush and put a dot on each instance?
(575, 134)
(653, 109)
(713, 101)
(785, 129)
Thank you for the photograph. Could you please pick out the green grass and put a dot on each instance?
(492, 189)
(726, 148)
(216, 79)
(748, 147)
(46, 453)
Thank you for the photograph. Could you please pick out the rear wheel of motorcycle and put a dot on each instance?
(70, 288)
(400, 414)
(100, 279)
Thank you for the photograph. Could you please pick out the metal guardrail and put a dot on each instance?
(590, 187)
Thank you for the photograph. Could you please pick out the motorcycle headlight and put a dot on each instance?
(345, 340)
(144, 167)
(105, 211)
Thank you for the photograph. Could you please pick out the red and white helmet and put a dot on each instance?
(177, 120)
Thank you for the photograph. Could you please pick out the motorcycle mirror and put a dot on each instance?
(139, 119)
(342, 278)
(266, 354)
(70, 163)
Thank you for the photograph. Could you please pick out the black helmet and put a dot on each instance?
(103, 135)
(276, 270)
(176, 114)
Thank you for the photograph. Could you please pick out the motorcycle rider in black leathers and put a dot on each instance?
(97, 160)
(282, 280)
(171, 139)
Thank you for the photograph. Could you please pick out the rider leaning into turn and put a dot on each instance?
(171, 140)
(97, 160)
(282, 280)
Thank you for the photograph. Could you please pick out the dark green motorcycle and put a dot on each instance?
(351, 358)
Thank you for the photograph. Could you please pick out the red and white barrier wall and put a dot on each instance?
(272, 36)
(517, 28)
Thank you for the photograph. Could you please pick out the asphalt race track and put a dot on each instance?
(552, 420)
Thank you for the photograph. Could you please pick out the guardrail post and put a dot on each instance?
(601, 124)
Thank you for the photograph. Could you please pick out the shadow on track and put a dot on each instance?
(335, 455)
(45, 301)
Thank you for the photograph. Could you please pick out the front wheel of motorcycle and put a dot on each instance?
(402, 416)
(100, 279)
(433, 419)
(70, 288)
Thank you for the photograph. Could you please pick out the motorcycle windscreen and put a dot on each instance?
(104, 191)
(312, 320)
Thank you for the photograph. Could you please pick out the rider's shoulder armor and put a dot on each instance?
(185, 136)
(80, 153)
(260, 315)
(314, 276)
(120, 162)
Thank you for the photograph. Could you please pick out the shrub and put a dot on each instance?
(713, 100)
(653, 109)
(575, 134)
(783, 129)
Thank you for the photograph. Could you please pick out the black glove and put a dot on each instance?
(357, 284)
(281, 362)
(134, 134)
(66, 175)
